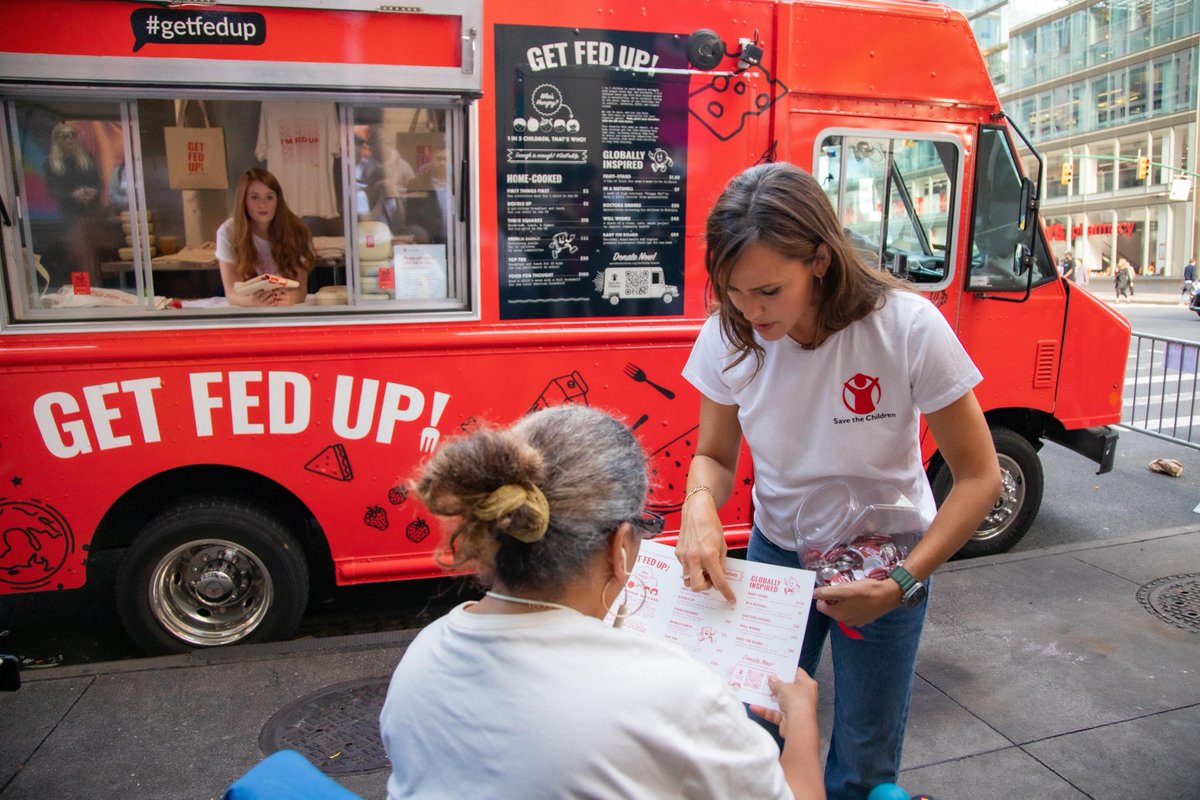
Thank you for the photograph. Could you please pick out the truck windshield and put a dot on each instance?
(996, 232)
(894, 196)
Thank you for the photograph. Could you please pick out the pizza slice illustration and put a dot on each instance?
(332, 462)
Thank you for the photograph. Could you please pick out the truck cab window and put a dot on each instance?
(996, 234)
(894, 196)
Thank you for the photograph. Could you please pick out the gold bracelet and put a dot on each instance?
(696, 490)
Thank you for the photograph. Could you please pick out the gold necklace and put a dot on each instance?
(524, 601)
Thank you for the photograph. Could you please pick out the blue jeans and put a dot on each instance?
(873, 678)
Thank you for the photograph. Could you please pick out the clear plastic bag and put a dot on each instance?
(852, 528)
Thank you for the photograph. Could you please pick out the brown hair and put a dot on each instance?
(534, 502)
(781, 206)
(291, 240)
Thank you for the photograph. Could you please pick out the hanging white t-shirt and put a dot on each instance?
(227, 252)
(849, 408)
(299, 142)
(555, 704)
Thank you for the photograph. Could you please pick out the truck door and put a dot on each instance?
(1011, 321)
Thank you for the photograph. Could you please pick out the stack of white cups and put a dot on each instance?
(374, 252)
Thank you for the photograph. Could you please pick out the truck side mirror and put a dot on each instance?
(1029, 203)
(1023, 262)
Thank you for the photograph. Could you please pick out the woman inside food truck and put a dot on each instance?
(528, 693)
(824, 366)
(74, 182)
(263, 237)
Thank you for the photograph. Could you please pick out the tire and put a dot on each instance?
(253, 587)
(614, 299)
(1021, 481)
(668, 297)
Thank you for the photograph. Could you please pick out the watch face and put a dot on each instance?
(915, 595)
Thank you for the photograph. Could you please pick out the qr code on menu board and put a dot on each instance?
(637, 283)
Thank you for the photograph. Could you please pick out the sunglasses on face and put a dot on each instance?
(648, 525)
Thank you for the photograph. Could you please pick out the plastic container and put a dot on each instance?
(374, 241)
(852, 528)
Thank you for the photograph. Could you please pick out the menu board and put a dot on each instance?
(591, 136)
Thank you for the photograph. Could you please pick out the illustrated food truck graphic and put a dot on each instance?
(621, 283)
(234, 456)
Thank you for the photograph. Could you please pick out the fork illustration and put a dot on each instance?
(429, 439)
(638, 374)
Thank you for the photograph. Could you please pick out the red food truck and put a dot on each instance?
(507, 202)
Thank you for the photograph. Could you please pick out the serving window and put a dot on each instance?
(117, 204)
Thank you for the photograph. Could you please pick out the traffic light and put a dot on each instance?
(1143, 168)
(1066, 172)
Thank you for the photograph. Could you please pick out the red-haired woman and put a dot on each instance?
(263, 237)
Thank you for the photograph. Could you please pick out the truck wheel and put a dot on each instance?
(614, 299)
(211, 572)
(1021, 482)
(668, 297)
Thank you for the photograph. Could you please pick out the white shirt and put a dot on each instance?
(299, 142)
(851, 407)
(557, 705)
(226, 251)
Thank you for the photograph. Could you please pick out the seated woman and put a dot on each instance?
(263, 237)
(527, 693)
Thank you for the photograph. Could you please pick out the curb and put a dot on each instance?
(239, 654)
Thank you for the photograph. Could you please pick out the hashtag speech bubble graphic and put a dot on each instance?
(171, 26)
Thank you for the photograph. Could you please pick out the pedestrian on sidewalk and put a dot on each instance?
(1189, 278)
(1123, 280)
(1066, 266)
(1082, 273)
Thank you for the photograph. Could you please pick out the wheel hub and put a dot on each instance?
(215, 577)
(214, 584)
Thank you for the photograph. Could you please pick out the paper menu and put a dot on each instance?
(742, 643)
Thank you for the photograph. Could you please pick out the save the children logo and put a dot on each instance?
(861, 394)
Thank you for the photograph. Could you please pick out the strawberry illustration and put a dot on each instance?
(397, 495)
(417, 530)
(376, 517)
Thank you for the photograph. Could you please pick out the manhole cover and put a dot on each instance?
(337, 728)
(1175, 599)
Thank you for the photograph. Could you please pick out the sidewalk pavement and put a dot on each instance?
(1067, 672)
(1148, 289)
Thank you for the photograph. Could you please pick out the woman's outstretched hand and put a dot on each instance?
(701, 548)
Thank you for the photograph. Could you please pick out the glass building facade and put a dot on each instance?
(1098, 86)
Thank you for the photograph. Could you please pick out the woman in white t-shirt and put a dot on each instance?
(527, 693)
(263, 237)
(824, 365)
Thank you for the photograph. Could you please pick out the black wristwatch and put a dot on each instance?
(913, 590)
